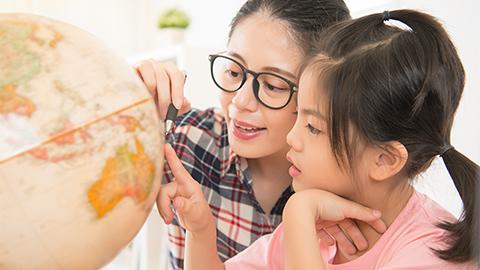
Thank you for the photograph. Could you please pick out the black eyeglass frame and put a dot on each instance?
(255, 83)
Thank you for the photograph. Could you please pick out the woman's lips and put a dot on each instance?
(244, 130)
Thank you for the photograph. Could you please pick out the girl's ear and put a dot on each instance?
(388, 160)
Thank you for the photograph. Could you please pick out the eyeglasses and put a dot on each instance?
(271, 90)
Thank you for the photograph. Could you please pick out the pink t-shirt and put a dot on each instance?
(405, 245)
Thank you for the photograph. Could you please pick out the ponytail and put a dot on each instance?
(463, 239)
(439, 56)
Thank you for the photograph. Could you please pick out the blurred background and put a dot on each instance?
(141, 29)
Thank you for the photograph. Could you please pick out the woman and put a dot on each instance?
(238, 153)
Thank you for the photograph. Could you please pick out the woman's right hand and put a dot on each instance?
(165, 82)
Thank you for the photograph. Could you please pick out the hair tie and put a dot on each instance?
(386, 15)
(445, 149)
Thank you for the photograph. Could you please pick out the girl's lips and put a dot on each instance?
(294, 171)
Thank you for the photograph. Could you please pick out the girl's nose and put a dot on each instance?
(293, 139)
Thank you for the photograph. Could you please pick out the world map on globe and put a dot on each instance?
(80, 147)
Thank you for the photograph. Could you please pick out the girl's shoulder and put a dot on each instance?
(418, 221)
(415, 235)
(425, 214)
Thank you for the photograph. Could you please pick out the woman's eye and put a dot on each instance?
(312, 129)
(232, 73)
(271, 87)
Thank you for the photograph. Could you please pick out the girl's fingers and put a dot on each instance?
(378, 225)
(372, 217)
(353, 232)
(182, 205)
(342, 241)
(356, 211)
(192, 216)
(165, 195)
(325, 237)
(177, 83)
(179, 172)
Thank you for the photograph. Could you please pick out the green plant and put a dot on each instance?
(173, 18)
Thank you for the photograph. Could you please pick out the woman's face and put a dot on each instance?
(261, 44)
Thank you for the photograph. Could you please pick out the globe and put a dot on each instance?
(80, 147)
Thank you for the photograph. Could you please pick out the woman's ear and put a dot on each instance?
(389, 159)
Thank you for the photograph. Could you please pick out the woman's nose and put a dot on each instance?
(244, 99)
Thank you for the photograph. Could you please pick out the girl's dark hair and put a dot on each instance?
(404, 87)
(305, 19)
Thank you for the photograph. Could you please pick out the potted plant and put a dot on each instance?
(172, 24)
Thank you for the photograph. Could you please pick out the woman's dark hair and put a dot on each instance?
(305, 19)
(404, 87)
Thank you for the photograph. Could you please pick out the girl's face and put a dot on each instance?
(313, 163)
(262, 45)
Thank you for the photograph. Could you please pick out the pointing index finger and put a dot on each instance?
(179, 172)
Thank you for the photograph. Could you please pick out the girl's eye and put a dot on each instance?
(295, 112)
(312, 129)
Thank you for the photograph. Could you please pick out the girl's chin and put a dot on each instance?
(296, 186)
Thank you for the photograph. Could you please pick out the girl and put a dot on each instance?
(370, 118)
(238, 154)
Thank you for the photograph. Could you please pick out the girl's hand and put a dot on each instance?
(345, 234)
(186, 196)
(327, 209)
(308, 212)
(165, 82)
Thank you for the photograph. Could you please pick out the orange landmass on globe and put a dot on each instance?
(42, 153)
(127, 174)
(128, 122)
(56, 39)
(67, 135)
(11, 102)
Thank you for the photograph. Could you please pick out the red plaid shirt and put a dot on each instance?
(201, 142)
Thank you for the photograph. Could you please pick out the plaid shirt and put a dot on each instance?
(201, 142)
